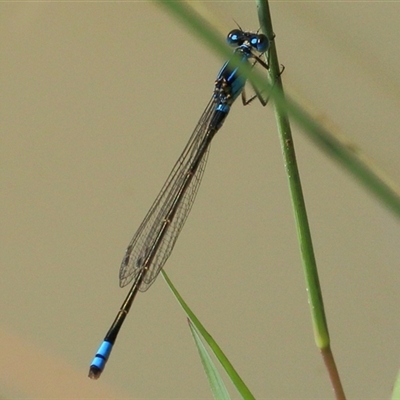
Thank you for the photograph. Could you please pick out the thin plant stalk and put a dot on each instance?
(321, 333)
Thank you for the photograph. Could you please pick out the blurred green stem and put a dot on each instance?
(345, 155)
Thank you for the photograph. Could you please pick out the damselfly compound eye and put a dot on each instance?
(235, 38)
(260, 42)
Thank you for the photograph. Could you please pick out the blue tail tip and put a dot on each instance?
(100, 359)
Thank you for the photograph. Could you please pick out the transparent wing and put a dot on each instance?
(153, 242)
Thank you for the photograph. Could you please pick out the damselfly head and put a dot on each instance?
(258, 41)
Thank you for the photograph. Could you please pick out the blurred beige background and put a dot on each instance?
(98, 100)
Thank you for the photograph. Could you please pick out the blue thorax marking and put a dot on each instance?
(229, 83)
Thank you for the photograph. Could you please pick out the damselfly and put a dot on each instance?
(153, 242)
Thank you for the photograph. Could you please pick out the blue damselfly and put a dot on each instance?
(154, 240)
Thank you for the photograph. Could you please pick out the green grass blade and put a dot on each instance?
(396, 388)
(217, 385)
(227, 366)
